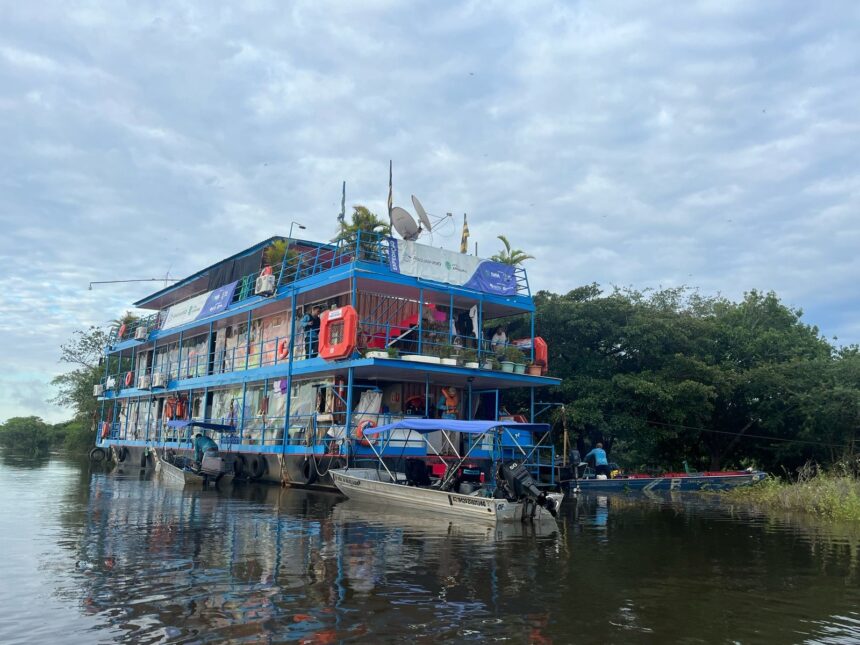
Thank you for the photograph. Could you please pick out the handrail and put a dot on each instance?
(369, 247)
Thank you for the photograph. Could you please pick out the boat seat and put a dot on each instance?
(417, 473)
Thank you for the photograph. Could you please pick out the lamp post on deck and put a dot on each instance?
(301, 226)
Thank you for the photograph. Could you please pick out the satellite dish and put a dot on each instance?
(422, 214)
(404, 224)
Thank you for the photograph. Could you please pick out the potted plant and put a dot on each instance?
(470, 358)
(376, 353)
(449, 354)
(534, 369)
(393, 352)
(514, 360)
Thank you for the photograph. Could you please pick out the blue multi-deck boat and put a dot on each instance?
(238, 349)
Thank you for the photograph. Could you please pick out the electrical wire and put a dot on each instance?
(750, 436)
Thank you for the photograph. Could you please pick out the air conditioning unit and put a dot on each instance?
(98, 389)
(265, 285)
(143, 382)
(141, 333)
(159, 380)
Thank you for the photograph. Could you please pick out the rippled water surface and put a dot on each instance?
(91, 556)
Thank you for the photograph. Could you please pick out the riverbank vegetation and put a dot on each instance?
(666, 376)
(834, 495)
(32, 435)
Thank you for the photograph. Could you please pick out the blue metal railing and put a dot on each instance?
(364, 246)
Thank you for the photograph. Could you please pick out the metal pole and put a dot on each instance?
(288, 402)
(347, 431)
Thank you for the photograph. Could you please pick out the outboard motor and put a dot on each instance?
(519, 484)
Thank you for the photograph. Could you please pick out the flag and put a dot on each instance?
(390, 193)
(464, 239)
(342, 215)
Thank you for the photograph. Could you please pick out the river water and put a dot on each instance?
(91, 556)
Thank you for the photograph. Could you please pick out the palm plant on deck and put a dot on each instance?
(510, 256)
(365, 226)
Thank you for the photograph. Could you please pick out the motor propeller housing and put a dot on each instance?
(519, 484)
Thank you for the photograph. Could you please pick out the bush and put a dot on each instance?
(26, 434)
(830, 495)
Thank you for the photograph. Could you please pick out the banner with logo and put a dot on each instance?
(202, 306)
(449, 267)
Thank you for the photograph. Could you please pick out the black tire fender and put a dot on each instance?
(121, 454)
(257, 467)
(309, 472)
(239, 466)
(97, 454)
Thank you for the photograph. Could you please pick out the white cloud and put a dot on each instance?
(707, 143)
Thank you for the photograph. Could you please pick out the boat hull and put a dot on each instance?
(175, 475)
(685, 483)
(360, 484)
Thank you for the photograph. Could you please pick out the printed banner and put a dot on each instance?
(202, 306)
(429, 263)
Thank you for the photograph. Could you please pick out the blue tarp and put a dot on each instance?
(423, 426)
(184, 423)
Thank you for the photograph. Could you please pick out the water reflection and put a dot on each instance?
(140, 562)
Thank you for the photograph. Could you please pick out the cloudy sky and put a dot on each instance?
(712, 144)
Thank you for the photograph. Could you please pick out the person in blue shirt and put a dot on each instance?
(203, 444)
(601, 463)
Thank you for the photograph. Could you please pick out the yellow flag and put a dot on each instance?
(464, 239)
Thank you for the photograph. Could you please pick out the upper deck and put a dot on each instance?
(371, 263)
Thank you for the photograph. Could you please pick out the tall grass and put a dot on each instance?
(833, 495)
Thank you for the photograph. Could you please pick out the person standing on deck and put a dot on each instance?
(315, 330)
(601, 463)
(449, 403)
(203, 445)
(499, 342)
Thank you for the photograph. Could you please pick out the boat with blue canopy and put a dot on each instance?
(505, 492)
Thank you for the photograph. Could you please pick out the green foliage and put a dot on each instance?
(469, 355)
(514, 354)
(670, 375)
(26, 434)
(829, 495)
(363, 221)
(275, 252)
(75, 388)
(510, 256)
(76, 436)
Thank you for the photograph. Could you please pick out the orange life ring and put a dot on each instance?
(105, 430)
(266, 271)
(359, 433)
(121, 331)
(129, 379)
(338, 333)
(283, 349)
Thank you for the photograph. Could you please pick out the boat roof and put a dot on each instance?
(180, 289)
(424, 426)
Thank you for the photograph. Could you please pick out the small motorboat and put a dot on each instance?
(176, 469)
(680, 481)
(511, 494)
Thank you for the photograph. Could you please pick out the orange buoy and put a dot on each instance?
(359, 433)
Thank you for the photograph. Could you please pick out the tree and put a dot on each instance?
(75, 388)
(667, 376)
(27, 434)
(510, 256)
(365, 226)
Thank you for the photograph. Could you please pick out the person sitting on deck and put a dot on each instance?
(203, 445)
(601, 463)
